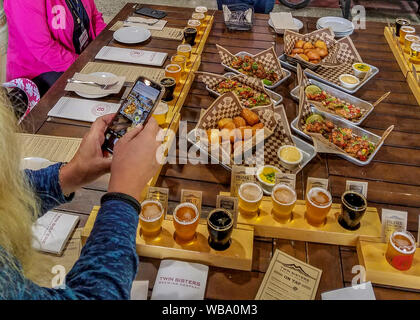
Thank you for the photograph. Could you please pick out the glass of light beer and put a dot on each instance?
(186, 220)
(318, 204)
(409, 39)
(284, 200)
(401, 249)
(404, 31)
(250, 197)
(179, 60)
(184, 50)
(174, 71)
(151, 217)
(415, 53)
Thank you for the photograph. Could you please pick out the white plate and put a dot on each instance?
(96, 96)
(337, 24)
(298, 24)
(34, 163)
(130, 35)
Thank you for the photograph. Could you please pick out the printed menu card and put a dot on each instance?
(179, 280)
(82, 110)
(150, 58)
(288, 278)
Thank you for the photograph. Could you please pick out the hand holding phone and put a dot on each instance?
(136, 109)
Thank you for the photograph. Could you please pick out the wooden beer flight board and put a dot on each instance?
(265, 225)
(198, 47)
(372, 256)
(403, 60)
(237, 256)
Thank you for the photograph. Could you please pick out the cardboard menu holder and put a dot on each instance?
(212, 80)
(238, 256)
(268, 58)
(265, 225)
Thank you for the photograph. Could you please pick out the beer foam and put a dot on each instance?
(284, 195)
(151, 211)
(251, 192)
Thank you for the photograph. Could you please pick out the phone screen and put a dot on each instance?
(135, 110)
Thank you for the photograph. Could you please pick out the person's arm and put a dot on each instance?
(46, 186)
(30, 21)
(98, 22)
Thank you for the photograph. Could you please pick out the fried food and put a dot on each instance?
(248, 96)
(244, 133)
(299, 44)
(247, 65)
(308, 45)
(239, 122)
(250, 117)
(230, 126)
(221, 124)
(313, 55)
(304, 57)
(321, 44)
(297, 51)
(213, 136)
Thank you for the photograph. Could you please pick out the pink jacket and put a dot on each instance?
(41, 35)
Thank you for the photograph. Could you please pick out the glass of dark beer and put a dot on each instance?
(169, 84)
(220, 227)
(353, 208)
(400, 22)
(189, 35)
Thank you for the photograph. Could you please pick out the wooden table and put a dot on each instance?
(393, 176)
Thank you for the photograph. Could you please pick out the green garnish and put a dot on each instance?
(267, 82)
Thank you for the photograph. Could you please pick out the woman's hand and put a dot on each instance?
(134, 161)
(89, 162)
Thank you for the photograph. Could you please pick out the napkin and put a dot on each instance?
(91, 89)
(282, 21)
(138, 21)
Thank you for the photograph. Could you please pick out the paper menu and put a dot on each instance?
(151, 58)
(288, 278)
(81, 109)
(52, 230)
(363, 291)
(179, 280)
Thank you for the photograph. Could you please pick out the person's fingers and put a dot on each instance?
(101, 123)
(105, 165)
(132, 133)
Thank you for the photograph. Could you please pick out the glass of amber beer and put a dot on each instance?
(401, 249)
(151, 217)
(185, 221)
(318, 204)
(284, 200)
(250, 197)
(404, 31)
(184, 50)
(173, 71)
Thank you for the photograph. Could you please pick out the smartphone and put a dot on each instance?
(136, 109)
(149, 12)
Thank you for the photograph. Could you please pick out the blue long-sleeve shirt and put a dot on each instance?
(108, 262)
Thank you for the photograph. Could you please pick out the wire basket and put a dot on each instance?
(239, 16)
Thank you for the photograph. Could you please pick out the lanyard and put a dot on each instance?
(77, 10)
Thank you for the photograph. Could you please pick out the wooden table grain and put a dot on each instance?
(393, 176)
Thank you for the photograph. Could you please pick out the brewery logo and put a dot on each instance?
(101, 109)
(297, 268)
(136, 53)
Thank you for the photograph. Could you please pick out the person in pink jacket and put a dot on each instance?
(47, 36)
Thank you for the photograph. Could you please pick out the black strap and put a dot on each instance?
(121, 197)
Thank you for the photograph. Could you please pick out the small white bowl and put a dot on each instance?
(349, 85)
(358, 73)
(266, 186)
(288, 164)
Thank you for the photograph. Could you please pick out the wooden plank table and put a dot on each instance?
(393, 176)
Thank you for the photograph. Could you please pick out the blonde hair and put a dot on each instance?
(18, 205)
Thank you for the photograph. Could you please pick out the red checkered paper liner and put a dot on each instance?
(326, 35)
(267, 58)
(212, 80)
(346, 55)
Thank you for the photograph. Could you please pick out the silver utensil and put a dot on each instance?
(145, 22)
(92, 83)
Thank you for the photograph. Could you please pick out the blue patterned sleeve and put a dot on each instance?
(46, 185)
(105, 270)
